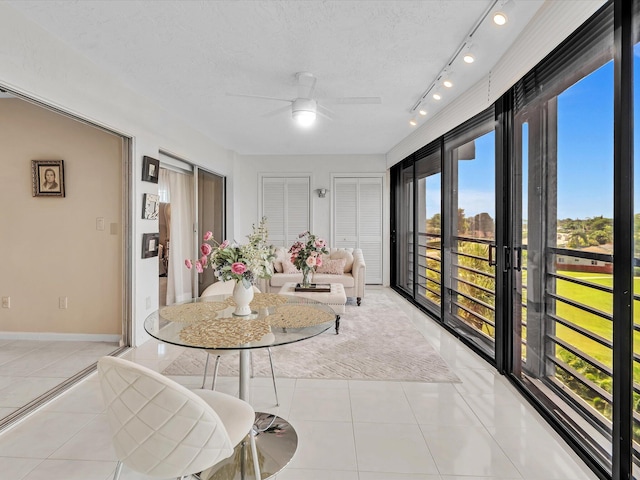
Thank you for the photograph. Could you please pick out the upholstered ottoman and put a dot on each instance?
(336, 298)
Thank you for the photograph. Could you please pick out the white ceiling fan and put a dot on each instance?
(305, 107)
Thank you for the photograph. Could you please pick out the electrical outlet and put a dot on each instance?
(62, 302)
(6, 302)
(100, 223)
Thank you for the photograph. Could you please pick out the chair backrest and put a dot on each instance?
(220, 288)
(159, 427)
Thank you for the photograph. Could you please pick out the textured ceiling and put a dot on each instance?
(187, 55)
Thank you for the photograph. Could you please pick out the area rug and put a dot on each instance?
(377, 341)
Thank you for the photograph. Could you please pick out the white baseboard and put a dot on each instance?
(61, 337)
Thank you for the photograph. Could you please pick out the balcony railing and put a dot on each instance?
(574, 353)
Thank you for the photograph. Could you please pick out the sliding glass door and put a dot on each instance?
(469, 240)
(563, 237)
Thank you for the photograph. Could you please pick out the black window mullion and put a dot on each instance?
(623, 243)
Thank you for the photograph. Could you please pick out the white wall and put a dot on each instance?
(247, 171)
(37, 65)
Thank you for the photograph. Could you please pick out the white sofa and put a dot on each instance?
(352, 277)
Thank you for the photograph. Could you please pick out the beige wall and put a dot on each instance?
(49, 246)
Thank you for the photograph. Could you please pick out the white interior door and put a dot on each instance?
(286, 204)
(357, 220)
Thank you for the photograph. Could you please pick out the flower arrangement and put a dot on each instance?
(231, 261)
(306, 254)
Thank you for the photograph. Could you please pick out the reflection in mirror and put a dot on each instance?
(63, 288)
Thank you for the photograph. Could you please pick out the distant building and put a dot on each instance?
(577, 264)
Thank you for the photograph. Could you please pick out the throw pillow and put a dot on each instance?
(332, 267)
(348, 258)
(281, 254)
(289, 267)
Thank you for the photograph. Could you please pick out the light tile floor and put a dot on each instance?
(29, 368)
(480, 429)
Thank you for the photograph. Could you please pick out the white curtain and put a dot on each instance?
(180, 193)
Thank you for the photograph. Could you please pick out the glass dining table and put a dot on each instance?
(208, 323)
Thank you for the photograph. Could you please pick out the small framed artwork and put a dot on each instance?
(150, 169)
(150, 242)
(47, 178)
(150, 206)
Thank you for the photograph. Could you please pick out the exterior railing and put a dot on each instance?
(574, 354)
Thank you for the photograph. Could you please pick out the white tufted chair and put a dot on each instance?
(162, 429)
(221, 288)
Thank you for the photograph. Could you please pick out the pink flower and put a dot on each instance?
(320, 243)
(238, 268)
(205, 248)
(188, 264)
(203, 260)
(224, 244)
(319, 262)
(311, 261)
(293, 258)
(199, 267)
(208, 236)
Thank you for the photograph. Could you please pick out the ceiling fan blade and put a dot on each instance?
(277, 111)
(327, 112)
(352, 100)
(259, 97)
(328, 117)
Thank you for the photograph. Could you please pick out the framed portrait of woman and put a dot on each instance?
(47, 178)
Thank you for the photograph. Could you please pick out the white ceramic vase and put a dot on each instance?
(242, 296)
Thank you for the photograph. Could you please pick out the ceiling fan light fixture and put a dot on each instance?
(304, 118)
(304, 111)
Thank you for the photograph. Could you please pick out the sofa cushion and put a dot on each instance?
(282, 278)
(348, 257)
(345, 280)
(332, 267)
(288, 267)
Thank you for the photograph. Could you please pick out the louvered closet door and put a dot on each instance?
(285, 203)
(358, 220)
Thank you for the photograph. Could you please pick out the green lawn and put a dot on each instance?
(596, 299)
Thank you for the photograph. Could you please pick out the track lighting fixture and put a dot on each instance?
(469, 57)
(499, 11)
(501, 16)
(447, 79)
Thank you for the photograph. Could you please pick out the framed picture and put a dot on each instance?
(47, 178)
(150, 169)
(150, 206)
(150, 242)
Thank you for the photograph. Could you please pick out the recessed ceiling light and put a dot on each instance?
(469, 58)
(437, 96)
(501, 16)
(422, 112)
(413, 122)
(447, 83)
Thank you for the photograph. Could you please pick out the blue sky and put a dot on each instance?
(585, 154)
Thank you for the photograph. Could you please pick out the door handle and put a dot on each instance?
(492, 255)
(518, 260)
